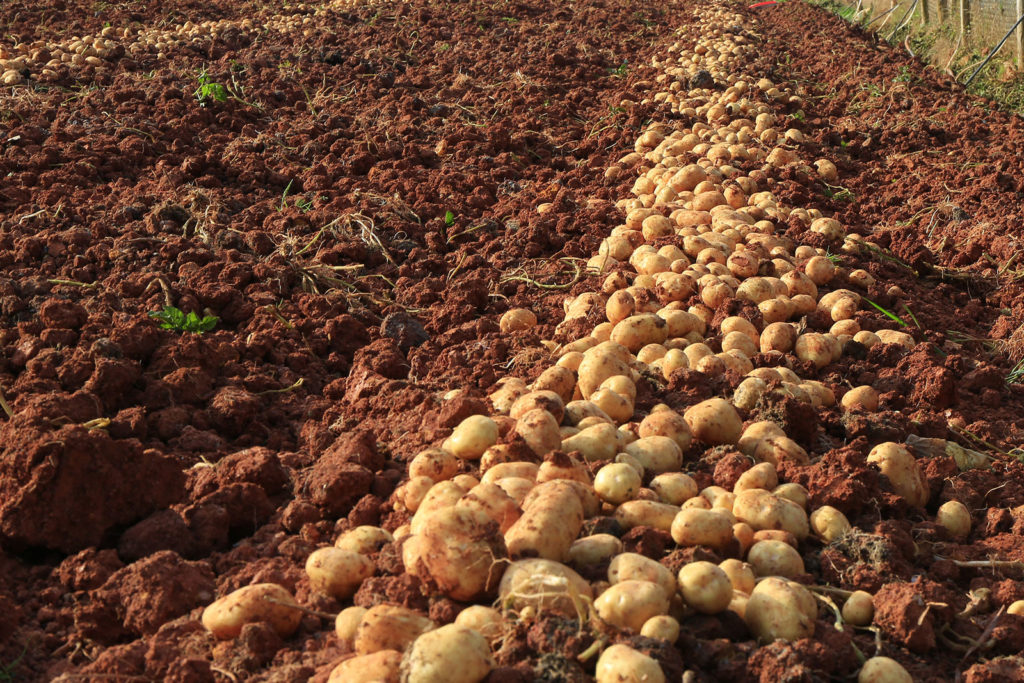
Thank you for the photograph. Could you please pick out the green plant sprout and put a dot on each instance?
(173, 318)
(209, 90)
(887, 313)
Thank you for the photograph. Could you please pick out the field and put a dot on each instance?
(257, 258)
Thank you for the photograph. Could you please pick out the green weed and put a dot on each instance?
(209, 90)
(173, 318)
(889, 314)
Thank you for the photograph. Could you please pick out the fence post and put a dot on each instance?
(924, 13)
(965, 19)
(1020, 36)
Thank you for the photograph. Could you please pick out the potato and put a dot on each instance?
(379, 667)
(693, 526)
(657, 454)
(820, 270)
(389, 627)
(763, 510)
(347, 622)
(705, 587)
(633, 566)
(599, 442)
(472, 437)
(1017, 607)
(444, 494)
(615, 405)
(714, 422)
(650, 513)
(576, 412)
(599, 363)
(739, 341)
(486, 621)
(829, 523)
(622, 664)
(517, 488)
(896, 337)
(434, 463)
(542, 399)
(551, 520)
(778, 336)
(862, 397)
(955, 518)
(667, 423)
(494, 502)
(794, 492)
(866, 338)
(338, 572)
(594, 550)
(558, 379)
(412, 493)
(628, 604)
(526, 470)
(760, 476)
(741, 574)
(776, 449)
(266, 602)
(616, 483)
(778, 608)
(539, 430)
(449, 654)
(883, 670)
(460, 550)
(545, 586)
(682, 323)
(674, 488)
(775, 558)
(859, 609)
(812, 347)
(662, 627)
(902, 470)
(364, 540)
(622, 385)
(749, 392)
(637, 331)
(509, 389)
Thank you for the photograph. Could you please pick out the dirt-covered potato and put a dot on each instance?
(539, 430)
(705, 587)
(543, 585)
(628, 604)
(449, 654)
(443, 494)
(538, 399)
(552, 518)
(622, 664)
(694, 526)
(674, 488)
(597, 442)
(560, 380)
(494, 502)
(760, 476)
(955, 518)
(364, 539)
(486, 621)
(608, 359)
(346, 623)
(763, 510)
(338, 572)
(634, 513)
(508, 391)
(266, 602)
(627, 566)
(637, 331)
(714, 421)
(778, 608)
(379, 667)
(749, 392)
(740, 574)
(460, 549)
(859, 608)
(863, 397)
(389, 627)
(829, 523)
(593, 550)
(657, 454)
(472, 437)
(883, 670)
(616, 483)
(902, 470)
(435, 463)
(775, 558)
(614, 405)
(666, 423)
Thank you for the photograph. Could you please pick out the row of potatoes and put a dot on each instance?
(509, 538)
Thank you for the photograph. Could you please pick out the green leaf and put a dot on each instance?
(449, 219)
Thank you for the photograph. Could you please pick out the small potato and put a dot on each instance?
(740, 574)
(714, 422)
(364, 540)
(694, 526)
(794, 492)
(616, 483)
(812, 347)
(347, 622)
(266, 602)
(543, 585)
(633, 566)
(863, 397)
(955, 518)
(622, 664)
(449, 654)
(859, 609)
(338, 572)
(662, 627)
(593, 550)
(628, 604)
(622, 385)
(883, 670)
(740, 342)
(829, 523)
(866, 338)
(486, 621)
(615, 405)
(389, 627)
(434, 463)
(820, 270)
(775, 558)
(705, 587)
(472, 437)
(778, 608)
(379, 667)
(667, 423)
(634, 513)
(902, 470)
(674, 488)
(516, 320)
(657, 454)
(1017, 607)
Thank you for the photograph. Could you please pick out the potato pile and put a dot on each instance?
(699, 235)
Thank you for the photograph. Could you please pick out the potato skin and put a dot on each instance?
(389, 627)
(780, 609)
(380, 666)
(715, 422)
(225, 617)
(628, 604)
(338, 572)
(449, 654)
(902, 470)
(551, 521)
(622, 664)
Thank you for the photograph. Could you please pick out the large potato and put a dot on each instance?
(902, 470)
(630, 566)
(657, 454)
(778, 608)
(883, 670)
(622, 664)
(637, 331)
(705, 587)
(694, 526)
(551, 520)
(775, 558)
(634, 513)
(714, 421)
(666, 423)
(379, 667)
(597, 442)
(460, 550)
(337, 572)
(389, 627)
(628, 604)
(545, 586)
(449, 654)
(472, 437)
(266, 602)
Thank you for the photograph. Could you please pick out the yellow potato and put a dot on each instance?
(650, 513)
(829, 523)
(449, 654)
(472, 437)
(593, 550)
(633, 566)
(674, 488)
(543, 585)
(741, 574)
(628, 604)
(539, 430)
(705, 587)
(260, 602)
(622, 664)
(379, 667)
(778, 608)
(883, 670)
(338, 572)
(389, 628)
(955, 518)
(859, 609)
(486, 621)
(902, 470)
(662, 627)
(775, 558)
(667, 423)
(694, 526)
(714, 421)
(657, 454)
(598, 442)
(364, 540)
(346, 623)
(550, 522)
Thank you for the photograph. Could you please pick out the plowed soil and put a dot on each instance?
(358, 211)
